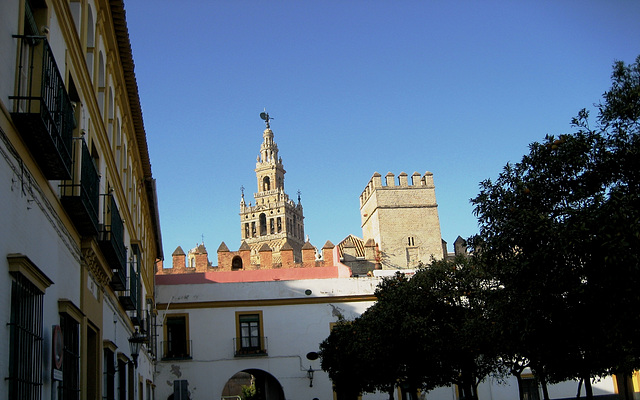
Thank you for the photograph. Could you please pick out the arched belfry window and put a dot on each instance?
(263, 224)
(266, 184)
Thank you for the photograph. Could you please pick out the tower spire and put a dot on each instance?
(275, 219)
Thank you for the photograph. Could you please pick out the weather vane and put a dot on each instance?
(265, 116)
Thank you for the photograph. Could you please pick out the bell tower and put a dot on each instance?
(273, 219)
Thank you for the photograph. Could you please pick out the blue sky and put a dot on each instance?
(458, 88)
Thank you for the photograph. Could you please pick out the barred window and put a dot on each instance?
(122, 379)
(25, 333)
(70, 386)
(108, 389)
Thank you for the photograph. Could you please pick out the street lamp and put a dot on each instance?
(134, 345)
(310, 376)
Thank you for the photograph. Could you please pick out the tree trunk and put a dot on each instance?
(391, 392)
(588, 390)
(543, 384)
(579, 388)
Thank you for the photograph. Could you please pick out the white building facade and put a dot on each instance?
(213, 330)
(79, 231)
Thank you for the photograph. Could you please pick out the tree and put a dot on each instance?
(422, 333)
(560, 232)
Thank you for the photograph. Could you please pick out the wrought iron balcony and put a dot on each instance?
(129, 298)
(42, 110)
(250, 347)
(111, 240)
(80, 195)
(176, 350)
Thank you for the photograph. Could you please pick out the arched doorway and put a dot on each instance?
(252, 384)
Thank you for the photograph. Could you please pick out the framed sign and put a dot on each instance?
(57, 351)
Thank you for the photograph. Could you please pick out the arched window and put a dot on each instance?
(266, 184)
(101, 83)
(271, 226)
(246, 230)
(236, 263)
(263, 224)
(279, 222)
(90, 40)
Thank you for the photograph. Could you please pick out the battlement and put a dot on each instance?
(417, 182)
(197, 260)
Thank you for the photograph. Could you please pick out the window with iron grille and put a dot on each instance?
(108, 389)
(122, 379)
(70, 385)
(25, 338)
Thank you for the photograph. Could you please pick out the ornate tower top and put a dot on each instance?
(265, 116)
(273, 219)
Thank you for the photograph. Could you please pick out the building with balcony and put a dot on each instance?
(79, 230)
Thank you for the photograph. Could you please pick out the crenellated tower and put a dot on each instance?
(402, 218)
(274, 219)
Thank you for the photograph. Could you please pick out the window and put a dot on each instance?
(122, 378)
(69, 322)
(249, 334)
(530, 388)
(263, 224)
(109, 374)
(25, 328)
(411, 241)
(236, 263)
(176, 334)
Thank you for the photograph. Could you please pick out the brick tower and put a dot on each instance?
(274, 219)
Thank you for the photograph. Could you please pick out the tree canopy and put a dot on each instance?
(552, 283)
(560, 231)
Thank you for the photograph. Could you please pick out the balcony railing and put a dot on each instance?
(176, 350)
(80, 195)
(129, 298)
(42, 110)
(250, 347)
(111, 240)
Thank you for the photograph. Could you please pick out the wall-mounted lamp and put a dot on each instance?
(310, 372)
(134, 345)
(311, 356)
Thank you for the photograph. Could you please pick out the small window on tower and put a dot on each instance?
(410, 241)
(266, 184)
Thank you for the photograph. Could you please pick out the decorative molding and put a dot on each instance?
(66, 306)
(21, 264)
(266, 302)
(92, 263)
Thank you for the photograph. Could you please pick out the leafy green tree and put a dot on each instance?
(560, 232)
(422, 333)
